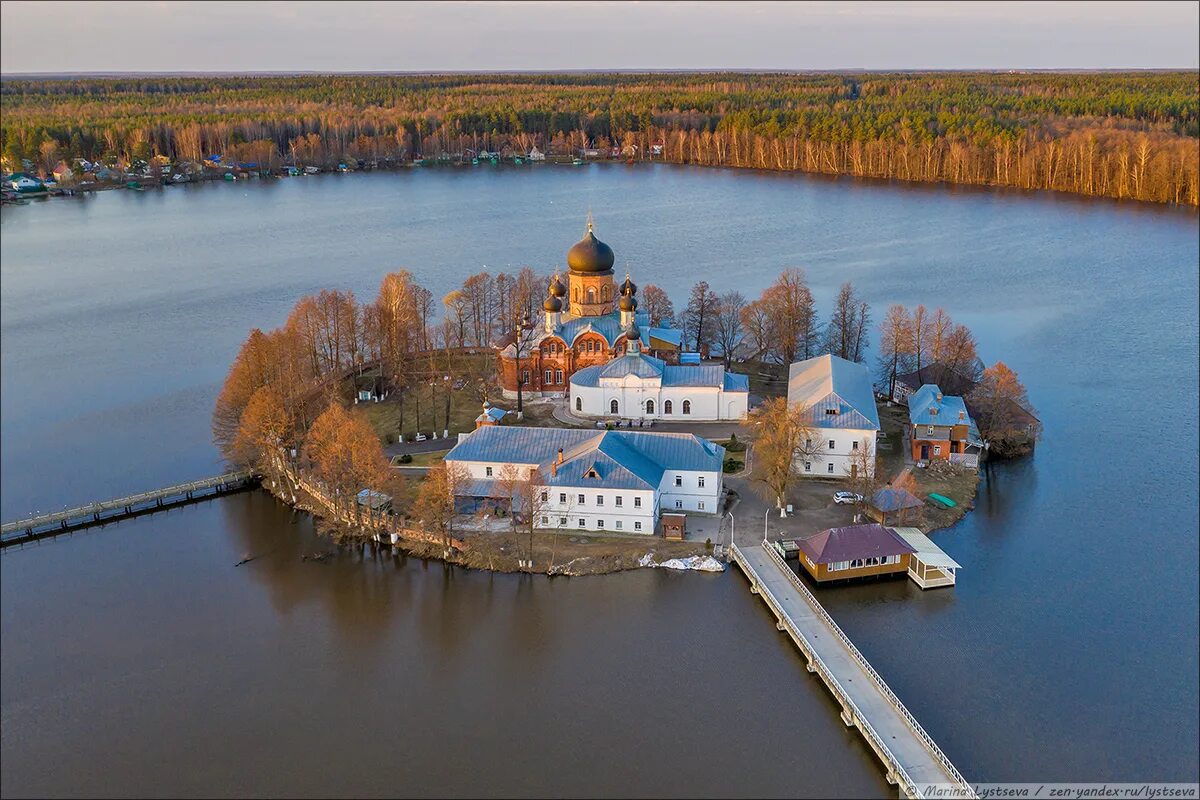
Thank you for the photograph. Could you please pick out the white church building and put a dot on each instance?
(839, 402)
(637, 386)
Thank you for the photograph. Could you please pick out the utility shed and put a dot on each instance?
(929, 566)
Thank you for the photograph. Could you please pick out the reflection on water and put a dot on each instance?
(138, 659)
(166, 669)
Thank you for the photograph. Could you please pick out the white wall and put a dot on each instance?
(708, 402)
(704, 499)
(606, 516)
(840, 455)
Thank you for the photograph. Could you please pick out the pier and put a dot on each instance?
(913, 760)
(72, 519)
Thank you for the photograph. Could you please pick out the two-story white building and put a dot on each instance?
(614, 481)
(839, 405)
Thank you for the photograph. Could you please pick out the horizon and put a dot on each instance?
(222, 38)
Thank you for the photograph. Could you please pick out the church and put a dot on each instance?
(595, 348)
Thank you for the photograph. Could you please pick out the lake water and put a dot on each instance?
(138, 660)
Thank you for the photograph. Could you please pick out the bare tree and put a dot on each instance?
(781, 434)
(698, 317)
(895, 344)
(728, 324)
(657, 306)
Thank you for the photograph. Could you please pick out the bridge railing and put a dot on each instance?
(121, 502)
(880, 683)
(843, 697)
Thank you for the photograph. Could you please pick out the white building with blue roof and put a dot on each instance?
(838, 403)
(637, 386)
(616, 481)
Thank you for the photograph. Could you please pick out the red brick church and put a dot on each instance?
(587, 322)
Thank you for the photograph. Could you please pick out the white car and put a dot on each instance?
(847, 497)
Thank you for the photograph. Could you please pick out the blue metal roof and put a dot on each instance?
(672, 336)
(694, 376)
(928, 406)
(736, 383)
(639, 365)
(621, 459)
(837, 392)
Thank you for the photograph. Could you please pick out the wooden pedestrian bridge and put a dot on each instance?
(71, 519)
(913, 760)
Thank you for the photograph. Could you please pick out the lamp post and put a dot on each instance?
(765, 515)
(730, 515)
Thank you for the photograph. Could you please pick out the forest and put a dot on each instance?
(1128, 135)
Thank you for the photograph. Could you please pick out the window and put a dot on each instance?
(829, 468)
(855, 563)
(579, 404)
(487, 471)
(808, 466)
(637, 526)
(666, 406)
(931, 430)
(562, 520)
(700, 481)
(687, 406)
(544, 519)
(591, 295)
(599, 499)
(937, 449)
(599, 523)
(679, 504)
(618, 501)
(807, 443)
(548, 376)
(582, 522)
(618, 524)
(679, 480)
(524, 377)
(831, 411)
(649, 406)
(700, 505)
(612, 407)
(558, 376)
(581, 500)
(545, 496)
(832, 444)
(854, 445)
(637, 502)
(604, 292)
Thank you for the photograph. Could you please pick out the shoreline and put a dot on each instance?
(998, 189)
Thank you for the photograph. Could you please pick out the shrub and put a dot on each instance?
(734, 445)
(405, 458)
(732, 465)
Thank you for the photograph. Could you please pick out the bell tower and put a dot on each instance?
(592, 293)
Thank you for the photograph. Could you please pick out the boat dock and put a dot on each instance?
(72, 519)
(913, 760)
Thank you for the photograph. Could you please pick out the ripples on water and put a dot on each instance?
(136, 658)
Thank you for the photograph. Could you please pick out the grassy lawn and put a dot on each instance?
(430, 401)
(957, 483)
(423, 460)
(767, 380)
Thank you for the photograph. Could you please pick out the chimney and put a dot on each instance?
(962, 415)
(559, 460)
(554, 465)
(939, 397)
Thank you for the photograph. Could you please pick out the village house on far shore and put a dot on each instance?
(616, 481)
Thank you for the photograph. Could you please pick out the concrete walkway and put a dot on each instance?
(912, 758)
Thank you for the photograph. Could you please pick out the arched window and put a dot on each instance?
(649, 406)
(666, 406)
(612, 407)
(576, 294)
(591, 295)
(578, 403)
(604, 292)
(687, 406)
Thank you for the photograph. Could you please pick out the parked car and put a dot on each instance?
(846, 497)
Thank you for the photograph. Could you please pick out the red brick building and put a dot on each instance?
(587, 321)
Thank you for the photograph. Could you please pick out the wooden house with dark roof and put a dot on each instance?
(854, 551)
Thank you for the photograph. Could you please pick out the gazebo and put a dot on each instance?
(889, 506)
(929, 567)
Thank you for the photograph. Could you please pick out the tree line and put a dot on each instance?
(1123, 135)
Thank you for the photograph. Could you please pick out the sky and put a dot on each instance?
(79, 37)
